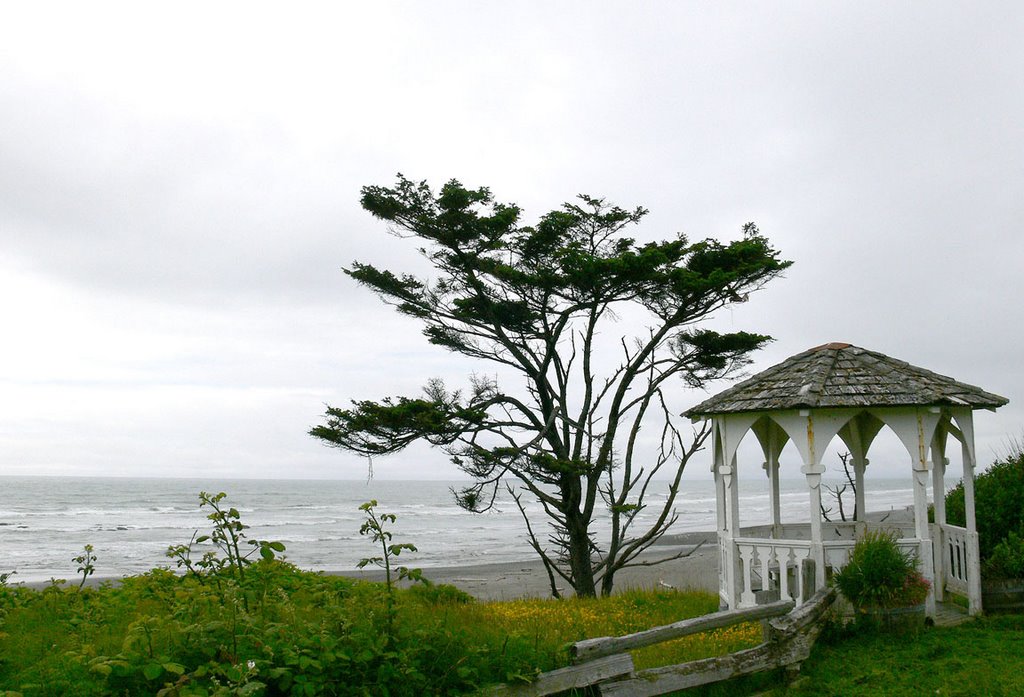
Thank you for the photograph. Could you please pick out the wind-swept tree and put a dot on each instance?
(540, 301)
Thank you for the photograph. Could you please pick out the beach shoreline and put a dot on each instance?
(697, 571)
(527, 578)
(696, 568)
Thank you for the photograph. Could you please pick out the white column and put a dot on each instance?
(720, 502)
(860, 463)
(773, 460)
(973, 555)
(920, 482)
(732, 528)
(940, 462)
(813, 475)
(724, 579)
(772, 468)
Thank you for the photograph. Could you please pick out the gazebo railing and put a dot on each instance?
(837, 552)
(777, 565)
(958, 547)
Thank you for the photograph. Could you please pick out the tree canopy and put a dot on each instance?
(542, 300)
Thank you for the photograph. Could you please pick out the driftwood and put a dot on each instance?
(789, 643)
(589, 649)
(789, 636)
(568, 678)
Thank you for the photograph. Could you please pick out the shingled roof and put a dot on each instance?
(842, 375)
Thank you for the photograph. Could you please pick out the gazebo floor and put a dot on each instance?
(950, 614)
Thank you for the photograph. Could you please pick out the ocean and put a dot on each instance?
(45, 521)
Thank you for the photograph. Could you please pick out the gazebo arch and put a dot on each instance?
(840, 390)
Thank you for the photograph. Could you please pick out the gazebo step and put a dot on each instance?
(950, 614)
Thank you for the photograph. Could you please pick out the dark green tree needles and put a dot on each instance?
(540, 302)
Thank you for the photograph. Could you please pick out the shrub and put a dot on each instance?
(880, 575)
(1007, 559)
(440, 594)
(998, 493)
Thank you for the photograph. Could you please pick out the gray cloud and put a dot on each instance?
(177, 197)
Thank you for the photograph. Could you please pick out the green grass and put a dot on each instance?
(548, 626)
(309, 634)
(985, 657)
(289, 632)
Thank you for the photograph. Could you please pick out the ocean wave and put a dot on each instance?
(131, 523)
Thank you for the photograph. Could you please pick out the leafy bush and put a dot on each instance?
(998, 497)
(1007, 559)
(310, 634)
(440, 594)
(880, 575)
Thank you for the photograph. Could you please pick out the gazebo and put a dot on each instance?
(808, 399)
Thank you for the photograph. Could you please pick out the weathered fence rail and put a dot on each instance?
(605, 646)
(603, 662)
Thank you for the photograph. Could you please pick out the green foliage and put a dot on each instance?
(1007, 559)
(310, 634)
(998, 493)
(86, 564)
(375, 527)
(439, 594)
(880, 575)
(540, 301)
(228, 539)
(953, 661)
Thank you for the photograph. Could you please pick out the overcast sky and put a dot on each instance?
(179, 190)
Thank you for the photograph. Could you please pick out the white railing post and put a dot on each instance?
(766, 554)
(799, 556)
(784, 561)
(746, 552)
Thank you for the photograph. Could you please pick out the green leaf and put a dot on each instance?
(103, 669)
(152, 671)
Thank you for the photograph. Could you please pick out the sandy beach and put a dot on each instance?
(527, 579)
(508, 581)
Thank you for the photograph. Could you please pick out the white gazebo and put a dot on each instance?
(839, 389)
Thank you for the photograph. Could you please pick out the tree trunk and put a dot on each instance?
(607, 581)
(579, 556)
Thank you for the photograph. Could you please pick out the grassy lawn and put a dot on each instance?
(985, 657)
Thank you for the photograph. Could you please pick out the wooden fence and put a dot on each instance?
(605, 663)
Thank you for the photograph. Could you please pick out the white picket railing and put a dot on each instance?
(777, 565)
(837, 552)
(958, 551)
